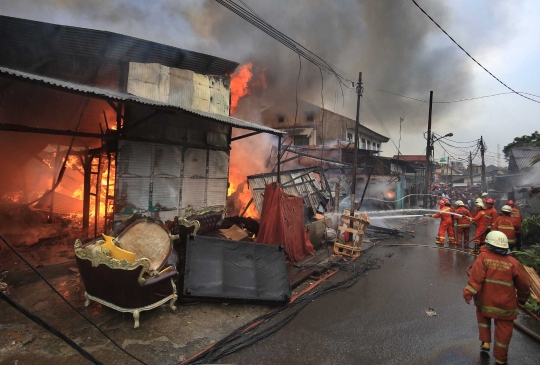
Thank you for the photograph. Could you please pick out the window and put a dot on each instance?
(363, 143)
(368, 145)
(301, 140)
(281, 118)
(349, 137)
(310, 116)
(378, 146)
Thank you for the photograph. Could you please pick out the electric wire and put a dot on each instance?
(253, 331)
(471, 57)
(66, 301)
(50, 328)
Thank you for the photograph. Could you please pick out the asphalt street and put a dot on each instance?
(382, 318)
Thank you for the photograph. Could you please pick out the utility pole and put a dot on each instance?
(428, 153)
(470, 169)
(451, 172)
(353, 177)
(482, 150)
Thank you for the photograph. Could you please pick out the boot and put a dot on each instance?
(485, 346)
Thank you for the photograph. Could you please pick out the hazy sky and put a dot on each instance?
(395, 46)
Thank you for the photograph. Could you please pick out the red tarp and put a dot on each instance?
(282, 223)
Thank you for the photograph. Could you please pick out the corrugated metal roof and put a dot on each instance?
(523, 156)
(89, 56)
(128, 98)
(300, 182)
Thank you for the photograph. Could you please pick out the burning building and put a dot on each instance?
(99, 125)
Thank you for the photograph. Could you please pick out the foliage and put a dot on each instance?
(532, 305)
(533, 140)
(530, 257)
(530, 223)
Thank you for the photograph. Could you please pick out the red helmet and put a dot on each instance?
(441, 202)
(510, 203)
(490, 201)
(446, 201)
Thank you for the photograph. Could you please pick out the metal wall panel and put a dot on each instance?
(216, 192)
(193, 192)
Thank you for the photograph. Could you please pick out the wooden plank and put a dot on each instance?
(347, 229)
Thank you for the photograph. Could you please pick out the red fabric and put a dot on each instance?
(493, 281)
(463, 222)
(503, 334)
(282, 223)
(463, 235)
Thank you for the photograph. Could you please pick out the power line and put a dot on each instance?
(471, 57)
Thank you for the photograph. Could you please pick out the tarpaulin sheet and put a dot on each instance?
(221, 268)
(282, 223)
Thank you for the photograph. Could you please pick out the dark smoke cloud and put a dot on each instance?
(395, 46)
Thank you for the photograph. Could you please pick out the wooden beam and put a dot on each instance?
(245, 136)
(26, 129)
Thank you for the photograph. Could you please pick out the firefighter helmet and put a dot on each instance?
(446, 201)
(459, 203)
(506, 209)
(478, 200)
(484, 194)
(490, 201)
(441, 202)
(497, 239)
(510, 203)
(480, 205)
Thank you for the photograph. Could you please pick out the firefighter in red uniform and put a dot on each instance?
(491, 213)
(494, 279)
(447, 225)
(516, 216)
(505, 224)
(463, 223)
(481, 226)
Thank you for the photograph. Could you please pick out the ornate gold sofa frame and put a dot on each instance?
(119, 284)
(205, 219)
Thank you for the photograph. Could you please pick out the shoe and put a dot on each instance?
(485, 346)
(501, 362)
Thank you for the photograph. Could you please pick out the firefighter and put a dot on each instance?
(446, 226)
(463, 223)
(484, 198)
(506, 224)
(516, 216)
(480, 221)
(491, 213)
(475, 210)
(494, 278)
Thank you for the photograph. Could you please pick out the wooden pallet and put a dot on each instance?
(347, 250)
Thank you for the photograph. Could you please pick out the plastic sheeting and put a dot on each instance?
(219, 268)
(282, 223)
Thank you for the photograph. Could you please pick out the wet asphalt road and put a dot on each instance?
(381, 319)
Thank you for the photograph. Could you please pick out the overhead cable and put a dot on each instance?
(471, 57)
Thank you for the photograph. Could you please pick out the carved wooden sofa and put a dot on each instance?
(122, 285)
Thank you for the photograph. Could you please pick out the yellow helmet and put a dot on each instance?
(480, 204)
(484, 194)
(497, 239)
(479, 200)
(506, 208)
(459, 203)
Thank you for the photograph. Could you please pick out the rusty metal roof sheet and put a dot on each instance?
(128, 98)
(523, 156)
(90, 56)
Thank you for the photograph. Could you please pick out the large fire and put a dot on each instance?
(239, 84)
(239, 192)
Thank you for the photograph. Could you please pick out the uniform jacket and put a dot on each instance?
(475, 211)
(491, 215)
(516, 216)
(463, 222)
(481, 222)
(493, 282)
(505, 224)
(443, 214)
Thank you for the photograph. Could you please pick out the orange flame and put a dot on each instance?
(239, 84)
(238, 187)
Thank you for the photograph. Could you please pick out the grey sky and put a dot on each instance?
(395, 46)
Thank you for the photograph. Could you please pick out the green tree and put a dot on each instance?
(523, 141)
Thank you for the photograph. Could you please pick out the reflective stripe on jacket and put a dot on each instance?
(493, 282)
(491, 215)
(505, 224)
(481, 222)
(463, 222)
